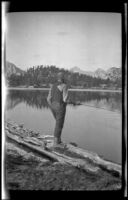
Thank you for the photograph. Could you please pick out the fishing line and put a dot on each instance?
(94, 107)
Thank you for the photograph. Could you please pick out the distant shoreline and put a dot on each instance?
(92, 90)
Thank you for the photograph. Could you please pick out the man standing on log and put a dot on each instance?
(57, 101)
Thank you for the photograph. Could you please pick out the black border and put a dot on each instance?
(19, 6)
(123, 99)
(32, 6)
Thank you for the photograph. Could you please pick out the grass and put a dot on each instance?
(31, 174)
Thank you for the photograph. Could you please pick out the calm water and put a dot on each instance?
(95, 125)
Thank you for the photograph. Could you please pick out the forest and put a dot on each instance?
(43, 76)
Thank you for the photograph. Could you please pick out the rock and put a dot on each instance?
(21, 125)
(74, 144)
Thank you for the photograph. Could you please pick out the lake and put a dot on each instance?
(95, 124)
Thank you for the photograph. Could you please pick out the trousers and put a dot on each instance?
(58, 111)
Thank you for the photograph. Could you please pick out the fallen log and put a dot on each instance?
(34, 148)
(110, 166)
(79, 163)
(93, 157)
(38, 144)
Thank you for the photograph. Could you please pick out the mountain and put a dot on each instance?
(100, 73)
(78, 70)
(112, 73)
(10, 69)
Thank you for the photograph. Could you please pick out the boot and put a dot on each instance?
(57, 140)
(58, 143)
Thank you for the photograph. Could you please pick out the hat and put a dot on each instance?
(60, 76)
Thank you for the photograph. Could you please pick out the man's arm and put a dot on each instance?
(49, 97)
(65, 93)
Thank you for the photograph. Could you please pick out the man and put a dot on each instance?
(57, 99)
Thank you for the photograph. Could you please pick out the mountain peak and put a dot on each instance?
(100, 70)
(11, 68)
(112, 73)
(75, 69)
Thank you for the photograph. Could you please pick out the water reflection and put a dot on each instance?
(93, 129)
(32, 98)
(107, 100)
(37, 99)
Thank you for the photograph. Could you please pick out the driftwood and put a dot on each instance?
(79, 163)
(110, 166)
(95, 158)
(42, 145)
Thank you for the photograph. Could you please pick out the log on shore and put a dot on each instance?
(95, 158)
(110, 166)
(79, 163)
(42, 145)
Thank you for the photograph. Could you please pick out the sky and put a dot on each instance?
(88, 40)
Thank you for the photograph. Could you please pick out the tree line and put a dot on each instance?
(43, 76)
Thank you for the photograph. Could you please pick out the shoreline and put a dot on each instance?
(48, 167)
(84, 90)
